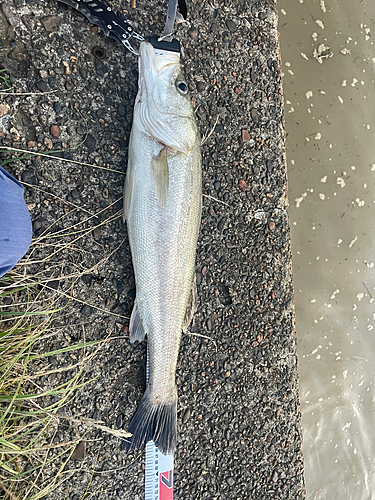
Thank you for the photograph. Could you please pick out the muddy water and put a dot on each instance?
(328, 54)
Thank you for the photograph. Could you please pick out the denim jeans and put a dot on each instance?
(15, 223)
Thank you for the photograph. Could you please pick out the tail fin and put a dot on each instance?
(154, 422)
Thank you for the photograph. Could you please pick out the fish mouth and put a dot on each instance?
(156, 64)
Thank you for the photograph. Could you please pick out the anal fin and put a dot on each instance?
(137, 331)
(192, 305)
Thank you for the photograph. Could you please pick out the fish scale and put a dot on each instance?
(162, 208)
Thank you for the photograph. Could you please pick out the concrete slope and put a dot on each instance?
(239, 416)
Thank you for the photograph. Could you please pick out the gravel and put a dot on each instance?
(239, 415)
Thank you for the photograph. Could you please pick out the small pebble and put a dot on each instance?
(4, 108)
(86, 310)
(201, 86)
(245, 135)
(254, 115)
(42, 86)
(90, 142)
(186, 415)
(231, 26)
(55, 131)
(242, 185)
(97, 234)
(50, 23)
(221, 223)
(48, 143)
(80, 451)
(253, 76)
(121, 110)
(230, 481)
(119, 421)
(69, 86)
(28, 176)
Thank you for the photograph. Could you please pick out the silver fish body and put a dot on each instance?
(162, 207)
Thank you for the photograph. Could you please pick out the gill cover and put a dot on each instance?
(163, 101)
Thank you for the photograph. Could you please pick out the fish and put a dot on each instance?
(162, 210)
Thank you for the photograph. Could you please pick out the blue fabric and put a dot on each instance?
(15, 223)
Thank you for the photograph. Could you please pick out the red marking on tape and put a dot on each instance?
(166, 485)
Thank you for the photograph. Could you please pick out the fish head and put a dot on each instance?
(163, 100)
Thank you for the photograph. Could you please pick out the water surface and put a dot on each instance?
(328, 57)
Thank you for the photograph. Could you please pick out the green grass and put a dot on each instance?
(28, 415)
(4, 79)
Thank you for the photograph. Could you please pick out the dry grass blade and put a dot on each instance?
(48, 257)
(203, 337)
(25, 433)
(27, 428)
(215, 199)
(208, 135)
(20, 94)
(62, 159)
(89, 422)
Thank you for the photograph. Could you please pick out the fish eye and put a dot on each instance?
(182, 87)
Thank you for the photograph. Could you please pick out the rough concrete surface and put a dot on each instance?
(238, 410)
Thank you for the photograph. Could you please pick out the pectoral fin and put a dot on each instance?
(160, 176)
(128, 191)
(137, 331)
(192, 305)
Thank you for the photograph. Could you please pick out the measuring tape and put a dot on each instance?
(159, 468)
(159, 474)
